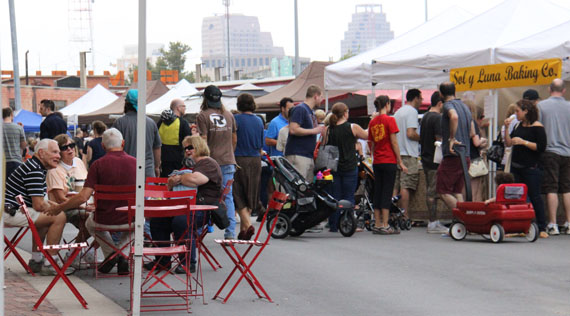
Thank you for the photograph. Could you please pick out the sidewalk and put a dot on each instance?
(23, 290)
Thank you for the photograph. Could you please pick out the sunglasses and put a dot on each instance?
(189, 147)
(65, 147)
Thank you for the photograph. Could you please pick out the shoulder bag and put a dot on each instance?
(327, 157)
(478, 168)
(497, 150)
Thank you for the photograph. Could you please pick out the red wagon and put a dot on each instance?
(509, 214)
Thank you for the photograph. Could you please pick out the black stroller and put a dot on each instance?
(308, 203)
(363, 198)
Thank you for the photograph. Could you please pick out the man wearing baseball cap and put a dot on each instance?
(218, 127)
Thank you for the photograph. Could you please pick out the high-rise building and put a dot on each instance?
(251, 50)
(368, 29)
(130, 55)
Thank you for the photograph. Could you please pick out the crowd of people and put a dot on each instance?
(57, 174)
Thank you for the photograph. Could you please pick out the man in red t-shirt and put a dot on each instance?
(115, 168)
(382, 132)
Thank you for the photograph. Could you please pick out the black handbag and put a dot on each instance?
(497, 150)
(219, 216)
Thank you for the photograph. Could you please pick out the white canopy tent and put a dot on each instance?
(93, 100)
(181, 90)
(471, 43)
(194, 102)
(355, 73)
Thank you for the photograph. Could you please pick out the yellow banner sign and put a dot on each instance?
(527, 73)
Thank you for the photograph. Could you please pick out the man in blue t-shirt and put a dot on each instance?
(276, 125)
(303, 128)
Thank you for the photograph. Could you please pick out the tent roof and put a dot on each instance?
(154, 89)
(468, 44)
(296, 89)
(30, 120)
(179, 91)
(193, 104)
(248, 86)
(93, 100)
(552, 42)
(355, 72)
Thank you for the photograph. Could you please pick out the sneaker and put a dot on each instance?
(564, 229)
(543, 234)
(384, 230)
(180, 269)
(553, 230)
(49, 269)
(436, 227)
(109, 264)
(36, 266)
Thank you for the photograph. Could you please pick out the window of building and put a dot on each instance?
(59, 104)
(249, 62)
(12, 103)
(243, 62)
(260, 61)
(207, 64)
(255, 61)
(267, 61)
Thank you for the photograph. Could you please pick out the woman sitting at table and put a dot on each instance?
(207, 178)
(69, 176)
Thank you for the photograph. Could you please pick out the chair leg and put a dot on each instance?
(11, 248)
(61, 275)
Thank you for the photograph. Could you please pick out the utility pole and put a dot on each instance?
(27, 77)
(426, 10)
(227, 4)
(17, 98)
(297, 65)
(83, 70)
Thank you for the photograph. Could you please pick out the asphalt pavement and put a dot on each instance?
(413, 273)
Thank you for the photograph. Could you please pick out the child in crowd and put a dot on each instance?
(500, 178)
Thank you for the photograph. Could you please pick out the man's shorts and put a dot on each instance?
(431, 176)
(450, 178)
(556, 175)
(411, 179)
(304, 165)
(19, 219)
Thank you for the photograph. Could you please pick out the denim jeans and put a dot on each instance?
(532, 177)
(162, 227)
(228, 172)
(343, 188)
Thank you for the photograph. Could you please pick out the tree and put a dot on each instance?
(174, 58)
(348, 55)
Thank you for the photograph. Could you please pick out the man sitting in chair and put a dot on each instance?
(29, 180)
(115, 168)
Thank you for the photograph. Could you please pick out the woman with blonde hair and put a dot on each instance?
(477, 143)
(343, 134)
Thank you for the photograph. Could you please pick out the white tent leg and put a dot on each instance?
(140, 179)
(326, 101)
(492, 136)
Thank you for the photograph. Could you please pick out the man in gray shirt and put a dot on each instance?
(127, 125)
(555, 116)
(14, 141)
(456, 128)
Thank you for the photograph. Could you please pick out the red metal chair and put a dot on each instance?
(11, 245)
(202, 248)
(76, 248)
(156, 184)
(126, 194)
(156, 277)
(274, 206)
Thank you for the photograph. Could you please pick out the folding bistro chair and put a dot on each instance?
(75, 248)
(156, 278)
(239, 260)
(11, 245)
(202, 249)
(126, 194)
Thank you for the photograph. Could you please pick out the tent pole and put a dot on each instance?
(493, 132)
(2, 171)
(326, 101)
(140, 177)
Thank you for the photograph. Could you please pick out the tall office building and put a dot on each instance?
(251, 50)
(368, 29)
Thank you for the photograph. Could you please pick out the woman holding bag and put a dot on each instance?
(343, 134)
(478, 169)
(528, 139)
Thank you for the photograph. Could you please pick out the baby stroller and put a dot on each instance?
(363, 198)
(308, 203)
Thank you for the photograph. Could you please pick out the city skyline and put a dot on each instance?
(44, 30)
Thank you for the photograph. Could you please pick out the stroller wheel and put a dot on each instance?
(407, 224)
(282, 226)
(532, 234)
(457, 231)
(347, 223)
(497, 233)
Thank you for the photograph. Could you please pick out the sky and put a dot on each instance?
(43, 27)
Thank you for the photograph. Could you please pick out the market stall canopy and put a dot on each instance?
(245, 88)
(181, 90)
(471, 43)
(193, 103)
(296, 89)
(552, 42)
(30, 120)
(355, 73)
(93, 100)
(154, 89)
